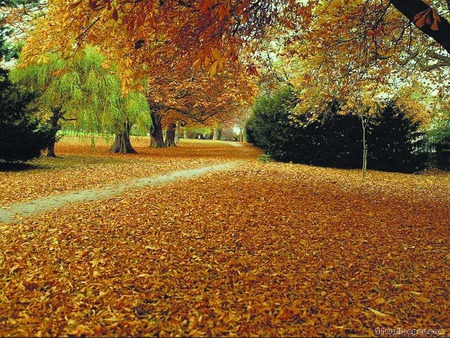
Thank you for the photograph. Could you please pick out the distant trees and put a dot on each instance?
(394, 140)
(180, 93)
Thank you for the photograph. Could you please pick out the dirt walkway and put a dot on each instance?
(16, 211)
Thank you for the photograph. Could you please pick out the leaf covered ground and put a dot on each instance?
(266, 249)
(81, 167)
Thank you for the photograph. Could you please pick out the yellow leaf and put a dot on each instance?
(207, 62)
(14, 268)
(213, 69)
(197, 65)
(216, 54)
(42, 59)
(105, 64)
(423, 299)
(378, 313)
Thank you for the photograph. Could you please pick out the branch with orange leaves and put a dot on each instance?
(427, 19)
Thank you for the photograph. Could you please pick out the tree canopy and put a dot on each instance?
(81, 90)
(330, 48)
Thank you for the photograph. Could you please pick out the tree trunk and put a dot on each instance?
(216, 134)
(122, 143)
(411, 8)
(365, 148)
(170, 135)
(55, 127)
(244, 136)
(51, 149)
(156, 133)
(241, 135)
(177, 133)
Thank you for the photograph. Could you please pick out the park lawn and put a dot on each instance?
(265, 249)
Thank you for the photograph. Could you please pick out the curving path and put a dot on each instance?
(16, 211)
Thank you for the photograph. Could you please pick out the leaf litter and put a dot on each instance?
(265, 249)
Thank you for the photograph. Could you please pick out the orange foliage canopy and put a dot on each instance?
(132, 29)
(157, 39)
(134, 34)
(194, 96)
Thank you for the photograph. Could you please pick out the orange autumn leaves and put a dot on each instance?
(264, 249)
(194, 31)
(428, 17)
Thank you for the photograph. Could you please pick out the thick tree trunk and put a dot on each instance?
(122, 143)
(156, 133)
(216, 134)
(55, 127)
(170, 135)
(411, 8)
(51, 149)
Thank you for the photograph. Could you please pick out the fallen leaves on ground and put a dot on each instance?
(82, 167)
(265, 249)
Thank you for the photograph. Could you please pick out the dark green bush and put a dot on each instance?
(329, 142)
(270, 128)
(335, 140)
(395, 142)
(21, 137)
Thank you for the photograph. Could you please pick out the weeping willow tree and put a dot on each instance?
(133, 110)
(79, 89)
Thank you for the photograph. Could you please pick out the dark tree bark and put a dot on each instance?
(54, 127)
(122, 143)
(170, 135)
(411, 8)
(156, 133)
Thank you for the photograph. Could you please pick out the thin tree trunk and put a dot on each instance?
(156, 133)
(365, 148)
(177, 133)
(122, 143)
(170, 135)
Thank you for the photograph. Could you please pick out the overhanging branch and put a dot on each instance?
(411, 8)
